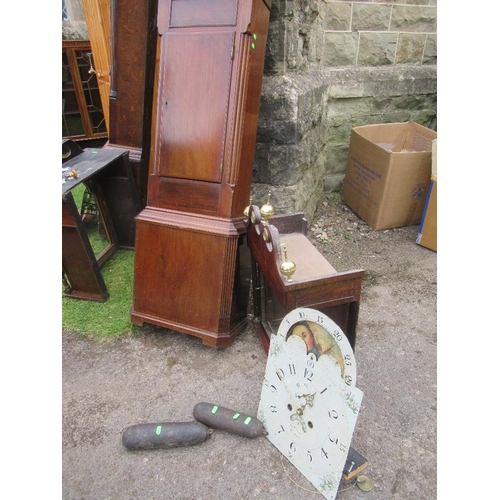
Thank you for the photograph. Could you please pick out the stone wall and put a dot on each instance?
(331, 66)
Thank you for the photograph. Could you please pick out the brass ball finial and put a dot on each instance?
(267, 210)
(247, 209)
(287, 266)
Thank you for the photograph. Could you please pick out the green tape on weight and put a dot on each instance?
(158, 430)
(248, 420)
(235, 416)
(215, 408)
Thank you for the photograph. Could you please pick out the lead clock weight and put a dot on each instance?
(164, 435)
(228, 420)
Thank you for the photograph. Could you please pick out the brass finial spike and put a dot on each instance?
(267, 210)
(287, 267)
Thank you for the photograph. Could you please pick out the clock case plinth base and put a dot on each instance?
(199, 283)
(315, 284)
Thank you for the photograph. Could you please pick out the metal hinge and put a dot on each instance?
(232, 52)
(221, 165)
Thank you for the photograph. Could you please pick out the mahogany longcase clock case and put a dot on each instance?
(192, 268)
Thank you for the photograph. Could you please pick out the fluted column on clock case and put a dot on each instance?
(192, 270)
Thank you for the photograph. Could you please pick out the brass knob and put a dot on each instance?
(267, 210)
(247, 209)
(287, 266)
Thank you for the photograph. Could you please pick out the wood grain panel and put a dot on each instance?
(97, 17)
(192, 196)
(194, 99)
(203, 13)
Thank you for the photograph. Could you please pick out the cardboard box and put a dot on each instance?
(388, 173)
(427, 232)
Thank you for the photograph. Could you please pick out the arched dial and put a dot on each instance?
(309, 403)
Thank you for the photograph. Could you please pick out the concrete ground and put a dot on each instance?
(161, 375)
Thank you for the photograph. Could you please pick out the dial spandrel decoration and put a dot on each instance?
(309, 403)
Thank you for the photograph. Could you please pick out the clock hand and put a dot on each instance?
(309, 400)
(298, 411)
(293, 401)
(295, 416)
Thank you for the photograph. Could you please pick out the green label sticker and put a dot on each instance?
(158, 430)
(255, 36)
(215, 408)
(235, 416)
(253, 45)
(248, 420)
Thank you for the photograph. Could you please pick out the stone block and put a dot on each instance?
(278, 103)
(335, 131)
(377, 49)
(274, 61)
(355, 106)
(414, 18)
(310, 109)
(338, 16)
(336, 158)
(430, 51)
(410, 48)
(340, 49)
(261, 164)
(276, 132)
(371, 17)
(286, 164)
(281, 9)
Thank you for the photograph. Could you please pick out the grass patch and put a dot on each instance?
(105, 320)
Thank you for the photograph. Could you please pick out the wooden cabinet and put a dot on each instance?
(133, 52)
(82, 112)
(192, 268)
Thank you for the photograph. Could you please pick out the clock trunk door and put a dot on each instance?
(195, 88)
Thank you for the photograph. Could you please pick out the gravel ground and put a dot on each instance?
(160, 375)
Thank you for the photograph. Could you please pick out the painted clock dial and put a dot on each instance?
(309, 403)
